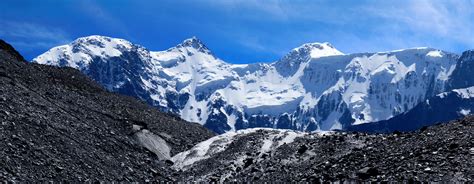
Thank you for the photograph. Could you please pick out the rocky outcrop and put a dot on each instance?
(462, 75)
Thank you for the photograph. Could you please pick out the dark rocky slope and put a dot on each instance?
(440, 153)
(462, 76)
(56, 124)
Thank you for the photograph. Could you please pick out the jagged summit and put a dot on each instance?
(192, 42)
(195, 43)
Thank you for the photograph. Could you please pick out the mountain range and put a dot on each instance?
(59, 125)
(313, 87)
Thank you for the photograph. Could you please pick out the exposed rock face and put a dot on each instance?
(462, 76)
(440, 153)
(57, 124)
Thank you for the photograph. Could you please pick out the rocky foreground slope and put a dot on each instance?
(443, 152)
(56, 124)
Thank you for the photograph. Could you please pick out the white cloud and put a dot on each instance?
(37, 36)
(388, 24)
(450, 20)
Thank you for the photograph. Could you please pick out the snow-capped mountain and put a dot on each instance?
(313, 87)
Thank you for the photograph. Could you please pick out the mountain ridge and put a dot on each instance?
(297, 92)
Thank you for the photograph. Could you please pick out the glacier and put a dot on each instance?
(313, 87)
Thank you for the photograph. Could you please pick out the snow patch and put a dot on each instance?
(435, 53)
(465, 112)
(202, 150)
(465, 93)
(289, 137)
(214, 145)
(153, 142)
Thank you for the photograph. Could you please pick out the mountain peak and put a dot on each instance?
(195, 43)
(99, 40)
(91, 38)
(290, 62)
(317, 50)
(82, 51)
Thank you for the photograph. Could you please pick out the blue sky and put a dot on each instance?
(242, 31)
